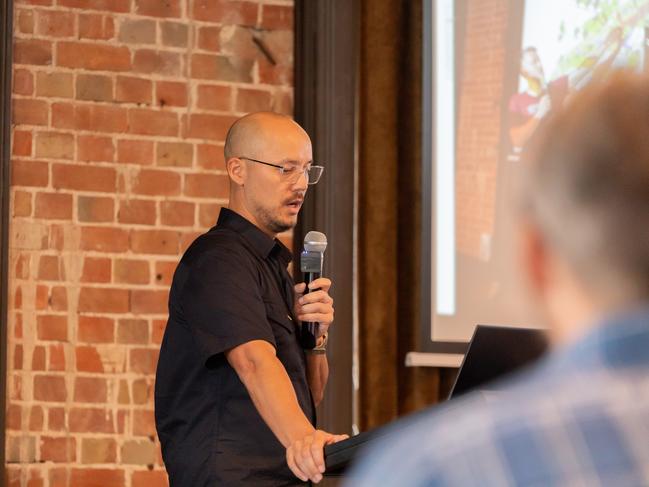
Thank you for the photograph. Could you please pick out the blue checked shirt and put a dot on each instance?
(579, 418)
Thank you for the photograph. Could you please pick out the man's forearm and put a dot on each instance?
(272, 393)
(317, 373)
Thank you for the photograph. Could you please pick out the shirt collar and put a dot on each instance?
(260, 242)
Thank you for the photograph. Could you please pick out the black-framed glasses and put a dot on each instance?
(291, 171)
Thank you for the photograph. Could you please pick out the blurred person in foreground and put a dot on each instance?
(581, 416)
(235, 392)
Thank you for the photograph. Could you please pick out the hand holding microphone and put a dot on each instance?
(315, 307)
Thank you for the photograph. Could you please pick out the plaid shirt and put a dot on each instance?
(579, 418)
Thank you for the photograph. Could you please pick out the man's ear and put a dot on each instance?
(535, 259)
(236, 170)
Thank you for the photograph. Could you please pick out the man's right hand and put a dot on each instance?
(305, 457)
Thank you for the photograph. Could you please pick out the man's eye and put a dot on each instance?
(289, 169)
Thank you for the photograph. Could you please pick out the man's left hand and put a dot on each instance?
(315, 306)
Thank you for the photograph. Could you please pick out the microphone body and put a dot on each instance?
(311, 261)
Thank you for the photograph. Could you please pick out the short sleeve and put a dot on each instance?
(222, 303)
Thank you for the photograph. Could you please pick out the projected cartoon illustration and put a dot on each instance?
(562, 53)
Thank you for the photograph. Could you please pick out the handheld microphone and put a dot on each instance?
(311, 261)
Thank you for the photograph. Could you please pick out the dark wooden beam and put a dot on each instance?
(6, 11)
(326, 104)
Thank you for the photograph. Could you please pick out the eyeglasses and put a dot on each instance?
(291, 172)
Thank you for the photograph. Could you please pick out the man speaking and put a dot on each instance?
(235, 392)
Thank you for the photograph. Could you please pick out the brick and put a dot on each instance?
(54, 145)
(95, 148)
(88, 359)
(207, 185)
(277, 17)
(97, 118)
(207, 126)
(210, 156)
(134, 90)
(36, 418)
(57, 358)
(177, 213)
(93, 329)
(157, 331)
(132, 332)
(283, 102)
(175, 154)
(18, 357)
(158, 8)
(50, 388)
(171, 93)
(120, 6)
(253, 100)
(103, 239)
(143, 423)
(131, 271)
(93, 209)
(207, 214)
(54, 85)
(42, 296)
(91, 420)
(135, 151)
(94, 87)
(137, 31)
(174, 34)
(50, 268)
(59, 298)
(214, 97)
(149, 478)
(22, 266)
(59, 450)
(156, 183)
(103, 300)
(38, 358)
(123, 394)
(226, 12)
(150, 61)
(137, 211)
(84, 178)
(25, 21)
(97, 477)
(98, 450)
(154, 242)
(52, 23)
(209, 38)
(280, 74)
(93, 56)
(52, 327)
(138, 452)
(164, 272)
(32, 51)
(14, 413)
(152, 122)
(56, 206)
(93, 26)
(147, 301)
(90, 389)
(96, 270)
(29, 173)
(237, 43)
(221, 68)
(23, 82)
(29, 112)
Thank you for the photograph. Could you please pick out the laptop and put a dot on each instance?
(493, 352)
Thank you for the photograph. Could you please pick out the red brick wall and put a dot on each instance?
(120, 109)
(479, 122)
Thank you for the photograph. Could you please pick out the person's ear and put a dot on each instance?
(236, 170)
(535, 259)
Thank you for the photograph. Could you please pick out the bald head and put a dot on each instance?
(249, 134)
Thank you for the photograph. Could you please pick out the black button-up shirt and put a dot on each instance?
(230, 287)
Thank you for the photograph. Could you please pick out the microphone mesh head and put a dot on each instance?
(315, 242)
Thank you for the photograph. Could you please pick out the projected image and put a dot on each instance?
(499, 68)
(562, 53)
